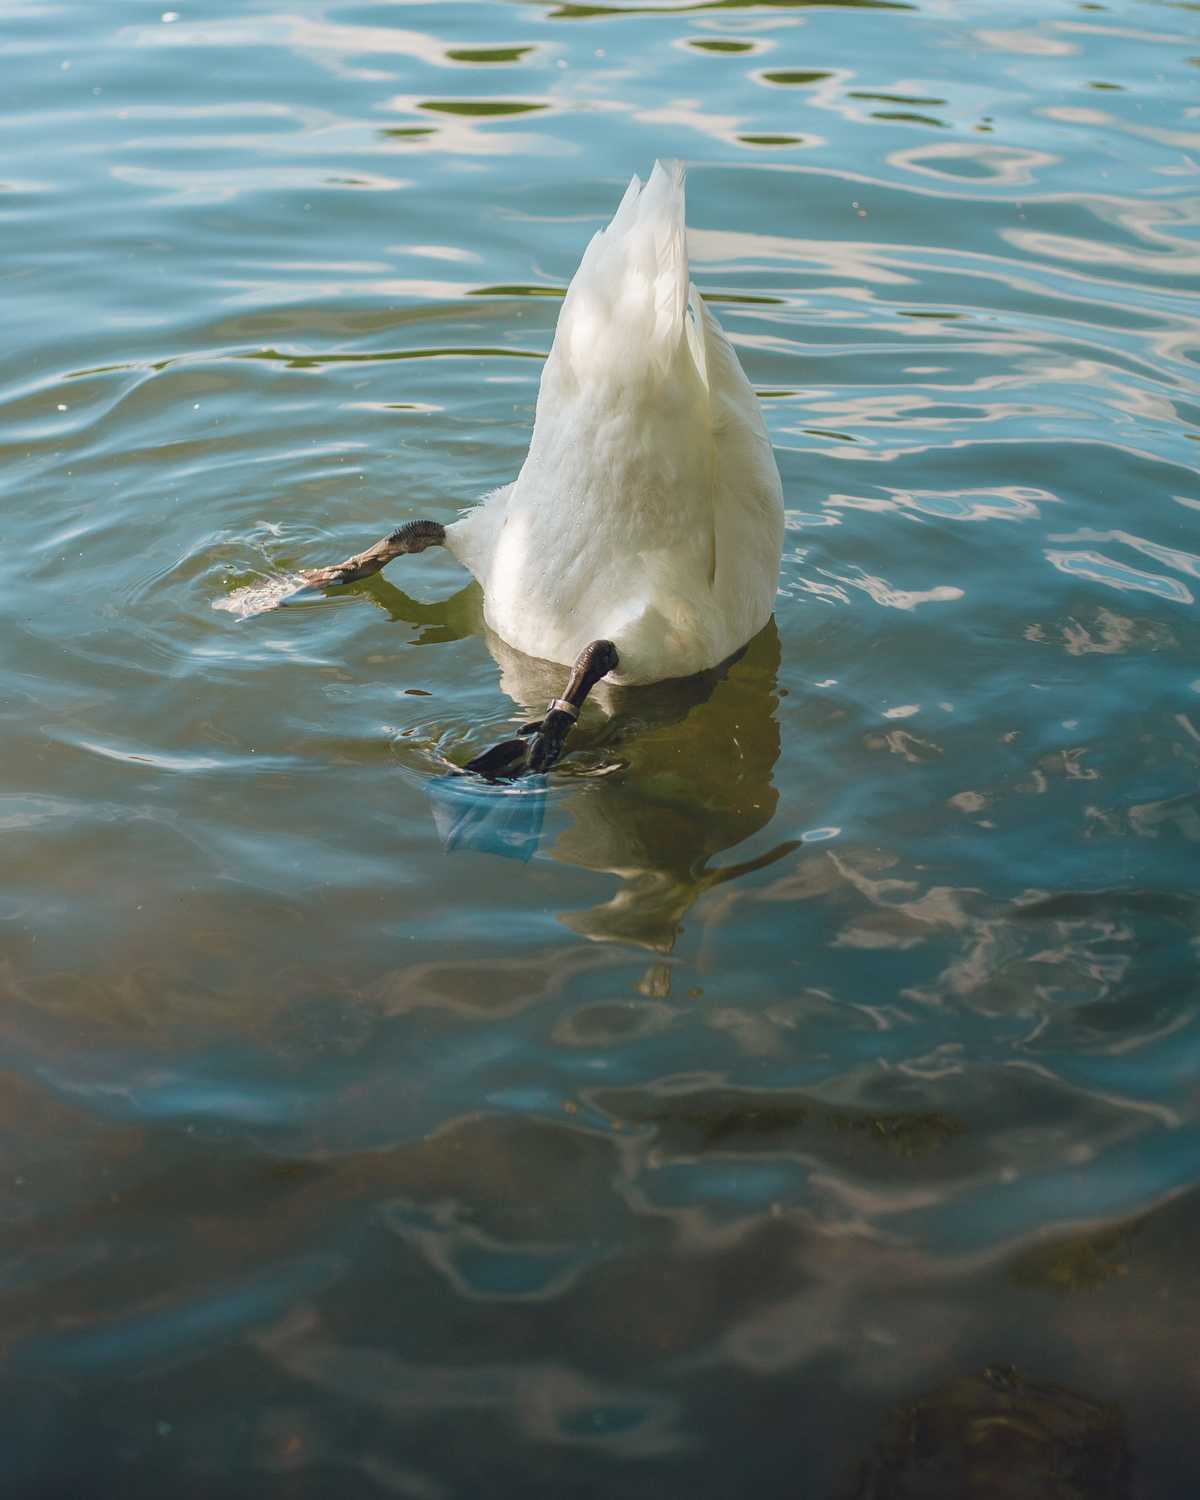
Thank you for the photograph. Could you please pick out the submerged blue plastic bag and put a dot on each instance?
(487, 817)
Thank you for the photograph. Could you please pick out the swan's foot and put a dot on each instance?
(538, 745)
(413, 536)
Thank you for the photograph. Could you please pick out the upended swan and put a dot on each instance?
(641, 539)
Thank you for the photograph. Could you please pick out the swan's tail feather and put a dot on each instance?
(628, 299)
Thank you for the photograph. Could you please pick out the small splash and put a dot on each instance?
(258, 598)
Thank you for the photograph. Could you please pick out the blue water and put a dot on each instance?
(818, 1034)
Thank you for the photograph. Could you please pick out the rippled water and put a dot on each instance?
(833, 1034)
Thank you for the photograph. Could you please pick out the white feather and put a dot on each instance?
(648, 511)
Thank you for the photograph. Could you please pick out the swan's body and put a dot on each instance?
(648, 511)
(641, 539)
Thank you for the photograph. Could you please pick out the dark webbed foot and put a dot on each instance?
(413, 536)
(538, 745)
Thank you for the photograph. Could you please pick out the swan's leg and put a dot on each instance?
(413, 536)
(539, 745)
(547, 740)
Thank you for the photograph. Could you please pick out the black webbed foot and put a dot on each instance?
(503, 762)
(540, 743)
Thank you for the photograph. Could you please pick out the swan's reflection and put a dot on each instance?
(442, 620)
(698, 759)
(690, 762)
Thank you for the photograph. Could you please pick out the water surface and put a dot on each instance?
(833, 1034)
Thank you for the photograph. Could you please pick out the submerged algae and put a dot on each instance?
(999, 1435)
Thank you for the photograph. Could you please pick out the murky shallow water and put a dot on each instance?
(833, 1034)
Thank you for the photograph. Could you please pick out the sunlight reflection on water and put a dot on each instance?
(831, 1036)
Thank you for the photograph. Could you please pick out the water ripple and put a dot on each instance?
(825, 1027)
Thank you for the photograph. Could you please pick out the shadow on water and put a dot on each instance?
(692, 765)
(687, 771)
(439, 621)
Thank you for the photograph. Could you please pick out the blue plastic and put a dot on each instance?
(491, 819)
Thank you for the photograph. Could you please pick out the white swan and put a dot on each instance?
(641, 539)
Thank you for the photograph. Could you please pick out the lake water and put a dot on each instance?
(824, 1033)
